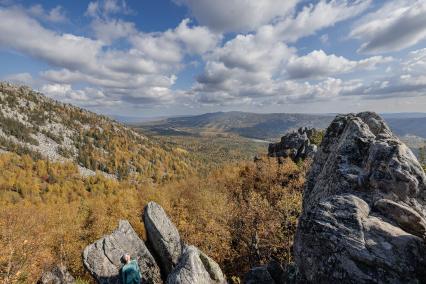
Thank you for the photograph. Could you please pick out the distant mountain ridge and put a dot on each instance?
(403, 115)
(408, 126)
(273, 125)
(250, 125)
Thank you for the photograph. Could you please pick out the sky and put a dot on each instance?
(147, 58)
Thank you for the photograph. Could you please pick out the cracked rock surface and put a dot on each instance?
(195, 267)
(364, 208)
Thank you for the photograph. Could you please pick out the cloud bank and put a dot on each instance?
(241, 53)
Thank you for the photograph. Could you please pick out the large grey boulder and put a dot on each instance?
(364, 208)
(58, 275)
(296, 145)
(102, 258)
(162, 236)
(195, 267)
(181, 264)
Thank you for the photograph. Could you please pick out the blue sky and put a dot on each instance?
(155, 58)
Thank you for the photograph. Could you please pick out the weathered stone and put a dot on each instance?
(58, 275)
(195, 267)
(295, 145)
(407, 218)
(102, 258)
(163, 237)
(364, 208)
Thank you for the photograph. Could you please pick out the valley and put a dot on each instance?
(266, 128)
(70, 175)
(108, 172)
(213, 142)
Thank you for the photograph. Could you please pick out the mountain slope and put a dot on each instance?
(31, 123)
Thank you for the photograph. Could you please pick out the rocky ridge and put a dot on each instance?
(46, 131)
(31, 123)
(177, 261)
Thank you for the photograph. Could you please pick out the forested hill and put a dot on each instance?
(31, 123)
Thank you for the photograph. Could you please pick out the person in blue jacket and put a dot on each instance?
(130, 273)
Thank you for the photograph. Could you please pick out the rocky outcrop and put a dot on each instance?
(364, 208)
(102, 258)
(162, 236)
(195, 267)
(58, 275)
(179, 263)
(296, 145)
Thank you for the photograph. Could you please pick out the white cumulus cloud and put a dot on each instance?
(318, 64)
(394, 26)
(238, 15)
(262, 64)
(142, 73)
